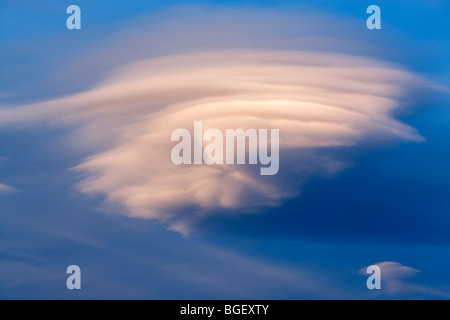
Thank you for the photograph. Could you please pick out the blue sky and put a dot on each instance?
(387, 201)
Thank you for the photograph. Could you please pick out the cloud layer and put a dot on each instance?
(319, 101)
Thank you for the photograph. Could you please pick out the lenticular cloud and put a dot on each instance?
(318, 101)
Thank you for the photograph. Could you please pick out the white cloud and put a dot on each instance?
(318, 100)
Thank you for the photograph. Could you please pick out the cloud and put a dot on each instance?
(317, 100)
(320, 101)
(394, 281)
(395, 270)
(6, 189)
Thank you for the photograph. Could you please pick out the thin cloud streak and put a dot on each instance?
(7, 189)
(394, 282)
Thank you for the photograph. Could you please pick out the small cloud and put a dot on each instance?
(395, 270)
(396, 281)
(7, 189)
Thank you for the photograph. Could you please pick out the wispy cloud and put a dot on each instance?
(6, 189)
(396, 281)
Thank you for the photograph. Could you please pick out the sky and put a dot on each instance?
(86, 177)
